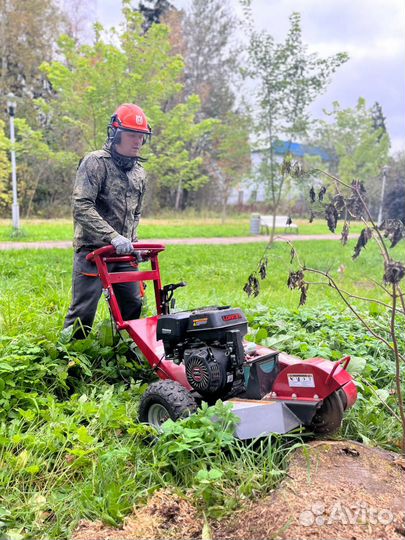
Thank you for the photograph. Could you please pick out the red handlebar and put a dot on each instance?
(109, 250)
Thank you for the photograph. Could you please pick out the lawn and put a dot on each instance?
(71, 447)
(62, 229)
(35, 285)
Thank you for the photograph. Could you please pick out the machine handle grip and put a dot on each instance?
(109, 250)
(344, 362)
(174, 286)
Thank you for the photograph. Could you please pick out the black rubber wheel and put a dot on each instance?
(164, 400)
(328, 418)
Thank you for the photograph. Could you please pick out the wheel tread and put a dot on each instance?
(177, 400)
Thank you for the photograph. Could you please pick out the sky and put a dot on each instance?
(372, 32)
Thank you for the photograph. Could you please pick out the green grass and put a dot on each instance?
(62, 229)
(73, 449)
(35, 285)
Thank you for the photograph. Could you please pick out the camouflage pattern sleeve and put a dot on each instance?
(88, 183)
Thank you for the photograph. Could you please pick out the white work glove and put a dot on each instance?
(122, 245)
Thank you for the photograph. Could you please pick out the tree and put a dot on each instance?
(153, 11)
(229, 158)
(394, 200)
(289, 79)
(79, 19)
(28, 31)
(37, 161)
(92, 79)
(360, 142)
(378, 119)
(211, 56)
(204, 37)
(5, 191)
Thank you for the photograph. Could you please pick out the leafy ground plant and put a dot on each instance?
(348, 201)
(71, 447)
(88, 457)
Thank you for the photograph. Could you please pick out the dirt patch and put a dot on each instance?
(334, 490)
(165, 516)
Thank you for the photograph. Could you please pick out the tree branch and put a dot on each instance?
(348, 304)
(397, 365)
(363, 298)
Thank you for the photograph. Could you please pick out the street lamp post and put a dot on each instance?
(384, 179)
(11, 106)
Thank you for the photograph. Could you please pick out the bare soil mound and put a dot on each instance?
(334, 490)
(165, 516)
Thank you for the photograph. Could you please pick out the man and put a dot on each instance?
(107, 203)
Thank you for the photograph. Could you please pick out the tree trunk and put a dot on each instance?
(224, 207)
(178, 196)
(273, 225)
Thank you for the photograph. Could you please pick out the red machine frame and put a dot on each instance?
(324, 377)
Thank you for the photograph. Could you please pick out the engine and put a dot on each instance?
(209, 343)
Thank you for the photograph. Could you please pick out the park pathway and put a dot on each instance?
(5, 246)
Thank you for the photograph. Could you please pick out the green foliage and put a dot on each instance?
(360, 148)
(70, 443)
(87, 457)
(229, 160)
(332, 334)
(35, 156)
(5, 168)
(130, 66)
(289, 80)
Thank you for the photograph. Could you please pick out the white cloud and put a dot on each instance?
(380, 49)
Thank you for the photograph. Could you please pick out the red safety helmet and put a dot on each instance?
(129, 117)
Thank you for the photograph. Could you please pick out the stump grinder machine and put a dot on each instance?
(201, 355)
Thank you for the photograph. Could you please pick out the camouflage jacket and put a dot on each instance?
(106, 201)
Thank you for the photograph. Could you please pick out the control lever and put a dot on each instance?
(167, 296)
(173, 286)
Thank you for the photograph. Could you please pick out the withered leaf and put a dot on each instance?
(393, 229)
(296, 280)
(321, 193)
(331, 215)
(364, 237)
(354, 206)
(311, 217)
(339, 202)
(394, 272)
(292, 255)
(312, 194)
(263, 267)
(252, 287)
(358, 186)
(303, 296)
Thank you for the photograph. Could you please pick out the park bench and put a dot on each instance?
(266, 222)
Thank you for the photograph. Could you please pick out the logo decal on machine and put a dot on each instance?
(232, 317)
(300, 380)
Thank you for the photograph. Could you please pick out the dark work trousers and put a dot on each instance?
(86, 292)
